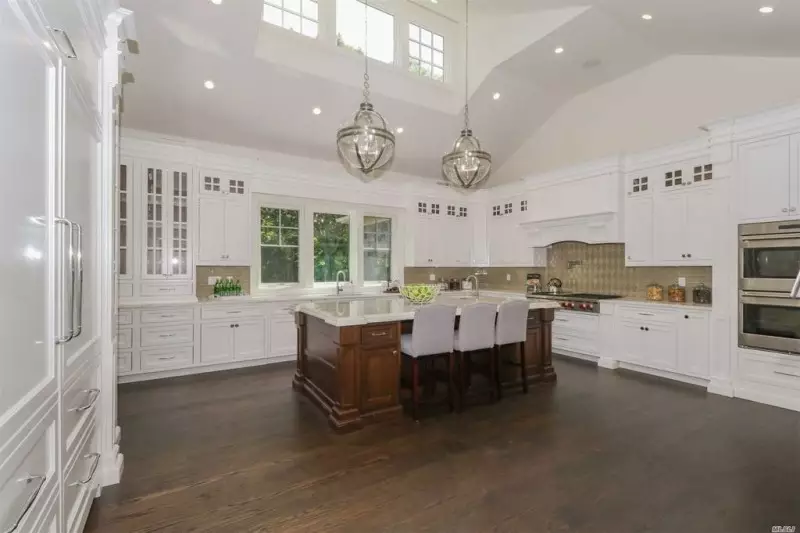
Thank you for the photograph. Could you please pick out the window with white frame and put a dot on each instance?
(331, 247)
(351, 16)
(425, 52)
(280, 245)
(377, 249)
(301, 16)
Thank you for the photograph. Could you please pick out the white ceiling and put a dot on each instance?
(264, 93)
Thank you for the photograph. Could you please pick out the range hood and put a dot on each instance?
(594, 228)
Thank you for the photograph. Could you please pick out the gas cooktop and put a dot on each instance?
(577, 301)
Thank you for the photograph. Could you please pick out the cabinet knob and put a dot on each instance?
(231, 325)
(686, 316)
(641, 328)
(785, 209)
(629, 257)
(647, 329)
(683, 255)
(689, 255)
(792, 209)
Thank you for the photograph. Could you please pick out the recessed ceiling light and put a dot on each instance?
(434, 1)
(316, 111)
(401, 130)
(647, 16)
(496, 96)
(208, 84)
(216, 2)
(559, 50)
(766, 10)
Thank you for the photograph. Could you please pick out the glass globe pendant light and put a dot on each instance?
(367, 144)
(467, 165)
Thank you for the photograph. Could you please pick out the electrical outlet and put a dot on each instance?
(508, 277)
(682, 282)
(213, 279)
(432, 277)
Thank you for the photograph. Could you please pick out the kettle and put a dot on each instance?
(554, 285)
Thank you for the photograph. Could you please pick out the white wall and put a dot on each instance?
(660, 104)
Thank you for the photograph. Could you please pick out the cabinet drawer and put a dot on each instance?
(155, 360)
(647, 315)
(124, 363)
(772, 370)
(575, 321)
(25, 476)
(166, 289)
(283, 311)
(574, 343)
(79, 405)
(214, 312)
(379, 334)
(80, 477)
(124, 338)
(124, 318)
(160, 316)
(167, 335)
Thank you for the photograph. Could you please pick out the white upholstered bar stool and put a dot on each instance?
(475, 332)
(512, 328)
(432, 334)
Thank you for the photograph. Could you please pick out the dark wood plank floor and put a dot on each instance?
(597, 452)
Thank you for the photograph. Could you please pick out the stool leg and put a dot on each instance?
(462, 385)
(523, 367)
(493, 375)
(498, 382)
(450, 397)
(414, 387)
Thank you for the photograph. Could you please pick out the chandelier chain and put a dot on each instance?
(366, 51)
(466, 69)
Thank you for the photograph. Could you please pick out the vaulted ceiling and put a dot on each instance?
(266, 84)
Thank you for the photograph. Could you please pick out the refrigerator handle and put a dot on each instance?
(61, 339)
(796, 287)
(78, 278)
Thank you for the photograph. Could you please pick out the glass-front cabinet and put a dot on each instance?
(166, 197)
(124, 213)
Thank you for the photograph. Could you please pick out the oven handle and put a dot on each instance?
(773, 241)
(774, 299)
(795, 292)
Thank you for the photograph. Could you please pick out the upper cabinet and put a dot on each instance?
(442, 234)
(769, 174)
(223, 221)
(508, 240)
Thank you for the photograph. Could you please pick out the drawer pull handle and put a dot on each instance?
(170, 358)
(37, 482)
(167, 289)
(95, 457)
(560, 320)
(234, 312)
(93, 395)
(647, 314)
(167, 316)
(381, 334)
(167, 335)
(787, 374)
(562, 339)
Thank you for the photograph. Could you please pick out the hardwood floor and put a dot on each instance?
(596, 452)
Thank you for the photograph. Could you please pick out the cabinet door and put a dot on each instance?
(638, 231)
(693, 344)
(764, 169)
(457, 242)
(216, 343)
(154, 195)
(179, 257)
(211, 221)
(629, 341)
(125, 210)
(422, 255)
(282, 336)
(380, 375)
(27, 102)
(702, 220)
(78, 191)
(249, 342)
(237, 234)
(669, 221)
(660, 346)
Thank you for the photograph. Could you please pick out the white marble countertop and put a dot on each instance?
(369, 311)
(665, 303)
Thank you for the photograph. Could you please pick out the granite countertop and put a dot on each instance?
(357, 312)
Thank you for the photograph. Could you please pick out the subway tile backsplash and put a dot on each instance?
(204, 290)
(581, 267)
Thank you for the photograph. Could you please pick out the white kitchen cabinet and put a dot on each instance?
(166, 251)
(428, 234)
(457, 240)
(685, 222)
(442, 235)
(125, 213)
(282, 333)
(639, 230)
(669, 228)
(629, 341)
(768, 179)
(508, 244)
(693, 343)
(703, 216)
(224, 236)
(660, 345)
(249, 339)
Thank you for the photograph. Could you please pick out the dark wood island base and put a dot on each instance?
(353, 372)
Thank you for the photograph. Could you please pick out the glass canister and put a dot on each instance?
(655, 292)
(701, 294)
(676, 293)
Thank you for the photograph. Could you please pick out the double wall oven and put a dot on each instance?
(769, 286)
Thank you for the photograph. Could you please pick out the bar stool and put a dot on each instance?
(432, 335)
(512, 328)
(475, 332)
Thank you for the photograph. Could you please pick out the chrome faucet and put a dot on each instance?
(339, 288)
(477, 290)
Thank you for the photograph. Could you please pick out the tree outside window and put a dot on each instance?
(331, 246)
(280, 245)
(377, 248)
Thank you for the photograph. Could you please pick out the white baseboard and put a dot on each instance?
(664, 374)
(757, 392)
(606, 362)
(192, 370)
(723, 387)
(576, 355)
(112, 469)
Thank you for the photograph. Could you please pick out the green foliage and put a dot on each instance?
(331, 246)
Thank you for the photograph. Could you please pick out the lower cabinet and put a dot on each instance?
(282, 336)
(249, 340)
(235, 341)
(694, 345)
(216, 343)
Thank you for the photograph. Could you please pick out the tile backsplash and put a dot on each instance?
(581, 267)
(204, 290)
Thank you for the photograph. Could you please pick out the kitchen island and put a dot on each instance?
(348, 354)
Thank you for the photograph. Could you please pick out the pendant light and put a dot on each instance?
(466, 166)
(367, 144)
